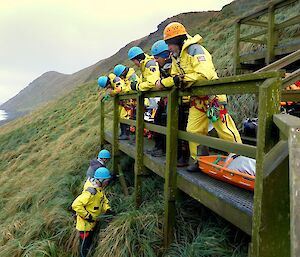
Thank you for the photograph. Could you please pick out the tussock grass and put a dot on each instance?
(44, 156)
(132, 233)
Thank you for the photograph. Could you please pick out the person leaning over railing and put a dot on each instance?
(128, 75)
(148, 66)
(113, 85)
(191, 62)
(162, 56)
(150, 73)
(107, 83)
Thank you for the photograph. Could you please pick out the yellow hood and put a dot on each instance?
(197, 39)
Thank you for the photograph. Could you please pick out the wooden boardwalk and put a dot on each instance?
(270, 214)
(232, 203)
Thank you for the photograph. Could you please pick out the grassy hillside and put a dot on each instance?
(43, 161)
(45, 154)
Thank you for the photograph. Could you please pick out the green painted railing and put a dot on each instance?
(270, 224)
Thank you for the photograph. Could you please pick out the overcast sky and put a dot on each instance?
(42, 35)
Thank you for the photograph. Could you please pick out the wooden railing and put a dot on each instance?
(270, 223)
(268, 28)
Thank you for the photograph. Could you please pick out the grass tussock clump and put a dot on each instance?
(133, 233)
(198, 231)
(209, 240)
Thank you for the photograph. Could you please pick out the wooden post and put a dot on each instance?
(271, 36)
(122, 180)
(139, 149)
(294, 154)
(170, 186)
(270, 225)
(115, 144)
(236, 50)
(101, 123)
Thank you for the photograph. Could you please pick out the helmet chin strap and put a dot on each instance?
(175, 55)
(100, 182)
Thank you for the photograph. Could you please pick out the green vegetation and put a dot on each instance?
(43, 161)
(45, 154)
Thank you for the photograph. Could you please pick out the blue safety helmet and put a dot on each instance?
(102, 173)
(102, 81)
(134, 52)
(104, 154)
(119, 69)
(159, 47)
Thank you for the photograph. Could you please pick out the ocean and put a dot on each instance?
(3, 115)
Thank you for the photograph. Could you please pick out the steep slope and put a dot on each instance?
(36, 92)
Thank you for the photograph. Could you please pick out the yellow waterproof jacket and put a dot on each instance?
(91, 201)
(118, 85)
(111, 77)
(150, 73)
(167, 81)
(131, 77)
(166, 78)
(195, 63)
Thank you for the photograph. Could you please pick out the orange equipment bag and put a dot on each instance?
(214, 166)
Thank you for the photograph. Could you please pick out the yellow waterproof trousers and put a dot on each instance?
(123, 113)
(198, 124)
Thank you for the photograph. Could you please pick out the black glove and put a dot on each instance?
(133, 85)
(177, 81)
(89, 218)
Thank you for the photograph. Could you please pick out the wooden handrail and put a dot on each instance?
(281, 63)
(264, 10)
(268, 87)
(292, 78)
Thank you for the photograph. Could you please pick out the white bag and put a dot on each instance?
(242, 164)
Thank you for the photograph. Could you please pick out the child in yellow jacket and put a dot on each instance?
(89, 206)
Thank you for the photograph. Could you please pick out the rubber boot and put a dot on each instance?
(123, 135)
(202, 151)
(183, 153)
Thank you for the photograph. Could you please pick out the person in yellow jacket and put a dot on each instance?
(114, 85)
(107, 83)
(191, 62)
(162, 55)
(89, 206)
(121, 86)
(127, 74)
(149, 69)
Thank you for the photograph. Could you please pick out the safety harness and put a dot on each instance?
(212, 109)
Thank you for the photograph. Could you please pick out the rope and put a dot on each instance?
(217, 160)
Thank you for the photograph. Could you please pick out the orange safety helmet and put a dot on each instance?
(174, 29)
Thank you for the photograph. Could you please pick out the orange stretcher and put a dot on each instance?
(215, 166)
